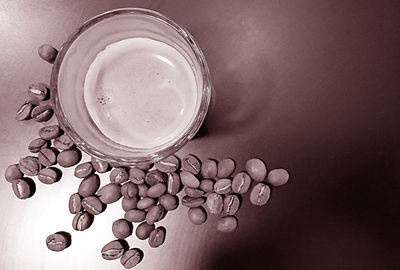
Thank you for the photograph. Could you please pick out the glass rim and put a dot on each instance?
(180, 141)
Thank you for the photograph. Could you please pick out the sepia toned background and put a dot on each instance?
(311, 86)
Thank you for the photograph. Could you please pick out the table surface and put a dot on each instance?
(311, 86)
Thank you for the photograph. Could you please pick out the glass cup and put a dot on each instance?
(78, 53)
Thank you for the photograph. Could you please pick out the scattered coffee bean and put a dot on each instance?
(260, 194)
(145, 166)
(223, 186)
(109, 193)
(29, 165)
(131, 258)
(197, 215)
(173, 183)
(168, 165)
(48, 176)
(89, 185)
(47, 53)
(122, 228)
(209, 169)
(136, 175)
(257, 169)
(170, 202)
(231, 204)
(42, 113)
(192, 202)
(21, 189)
(143, 188)
(241, 183)
(278, 177)
(113, 250)
(82, 221)
(155, 214)
(145, 203)
(154, 177)
(13, 173)
(193, 192)
(226, 167)
(83, 170)
(214, 203)
(57, 242)
(156, 190)
(191, 164)
(135, 215)
(69, 158)
(37, 144)
(118, 175)
(99, 165)
(38, 91)
(129, 204)
(24, 112)
(129, 190)
(63, 142)
(47, 157)
(189, 180)
(227, 224)
(157, 237)
(92, 205)
(143, 230)
(75, 203)
(49, 132)
(207, 185)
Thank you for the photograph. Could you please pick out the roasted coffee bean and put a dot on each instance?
(226, 167)
(89, 185)
(109, 193)
(13, 173)
(136, 175)
(57, 241)
(129, 190)
(189, 180)
(38, 91)
(170, 202)
(48, 176)
(21, 189)
(37, 144)
(192, 202)
(63, 142)
(47, 53)
(227, 224)
(145, 203)
(197, 215)
(156, 190)
(143, 188)
(129, 204)
(173, 183)
(92, 205)
(214, 203)
(260, 194)
(241, 183)
(191, 164)
(122, 228)
(82, 221)
(257, 169)
(47, 157)
(83, 170)
(155, 214)
(75, 203)
(207, 185)
(99, 165)
(49, 132)
(143, 230)
(193, 192)
(135, 215)
(131, 258)
(145, 166)
(157, 237)
(231, 204)
(29, 165)
(209, 169)
(119, 175)
(278, 177)
(223, 186)
(69, 158)
(168, 165)
(24, 112)
(42, 113)
(154, 177)
(112, 250)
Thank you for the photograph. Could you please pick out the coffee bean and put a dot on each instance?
(38, 91)
(83, 170)
(75, 203)
(37, 144)
(57, 242)
(241, 183)
(209, 169)
(207, 185)
(118, 175)
(29, 165)
(113, 250)
(155, 214)
(24, 112)
(89, 185)
(47, 53)
(154, 177)
(109, 193)
(214, 203)
(227, 224)
(223, 186)
(121, 228)
(13, 173)
(257, 169)
(170, 202)
(136, 175)
(129, 204)
(99, 165)
(173, 183)
(69, 158)
(42, 113)
(226, 167)
(192, 201)
(49, 132)
(168, 165)
(231, 204)
(157, 237)
(189, 180)
(143, 230)
(145, 203)
(48, 176)
(197, 215)
(129, 190)
(92, 205)
(82, 221)
(63, 142)
(145, 166)
(131, 258)
(193, 192)
(191, 164)
(143, 188)
(135, 215)
(260, 194)
(278, 177)
(156, 190)
(21, 189)
(47, 157)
